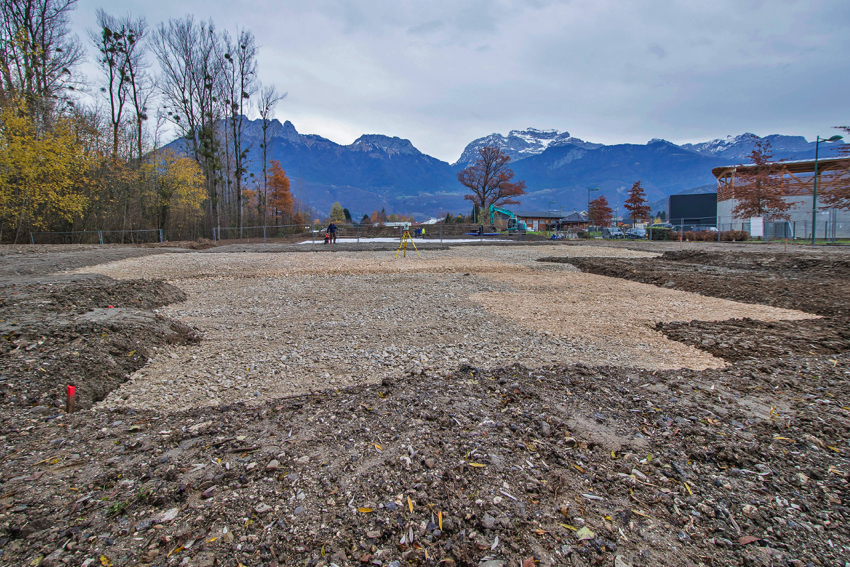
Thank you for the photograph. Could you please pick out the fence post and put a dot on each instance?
(160, 236)
(441, 233)
(100, 236)
(32, 241)
(264, 234)
(358, 234)
(313, 232)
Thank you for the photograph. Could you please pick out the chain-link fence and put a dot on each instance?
(293, 234)
(97, 237)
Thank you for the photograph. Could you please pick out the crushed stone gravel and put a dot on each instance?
(278, 325)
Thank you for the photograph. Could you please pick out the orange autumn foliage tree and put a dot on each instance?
(280, 195)
(758, 190)
(839, 197)
(600, 211)
(490, 180)
(636, 203)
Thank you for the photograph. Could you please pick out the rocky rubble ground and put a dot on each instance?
(570, 464)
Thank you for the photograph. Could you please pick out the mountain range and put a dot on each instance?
(378, 171)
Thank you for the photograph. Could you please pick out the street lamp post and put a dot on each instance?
(815, 190)
(549, 214)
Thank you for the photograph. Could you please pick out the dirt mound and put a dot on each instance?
(737, 339)
(787, 264)
(739, 278)
(89, 331)
(79, 294)
(815, 284)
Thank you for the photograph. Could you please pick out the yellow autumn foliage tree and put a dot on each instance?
(40, 172)
(176, 189)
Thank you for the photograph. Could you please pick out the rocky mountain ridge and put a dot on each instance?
(377, 171)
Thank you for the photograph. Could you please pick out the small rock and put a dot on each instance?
(391, 506)
(262, 508)
(750, 511)
(639, 475)
(166, 516)
(488, 521)
(430, 463)
(52, 560)
(209, 492)
(273, 465)
(299, 510)
(620, 561)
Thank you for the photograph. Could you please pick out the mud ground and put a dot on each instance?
(569, 465)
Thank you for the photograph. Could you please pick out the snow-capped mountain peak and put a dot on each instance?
(520, 144)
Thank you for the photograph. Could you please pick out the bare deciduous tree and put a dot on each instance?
(38, 53)
(239, 65)
(269, 97)
(190, 83)
(121, 47)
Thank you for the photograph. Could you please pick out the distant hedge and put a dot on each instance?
(660, 233)
(725, 236)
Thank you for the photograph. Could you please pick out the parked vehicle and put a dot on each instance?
(612, 232)
(660, 225)
(636, 234)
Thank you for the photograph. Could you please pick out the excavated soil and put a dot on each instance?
(814, 283)
(89, 331)
(561, 463)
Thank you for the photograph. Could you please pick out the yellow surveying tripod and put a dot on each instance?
(404, 238)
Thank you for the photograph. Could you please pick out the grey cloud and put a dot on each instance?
(657, 50)
(426, 28)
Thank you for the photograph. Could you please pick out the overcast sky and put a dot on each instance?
(441, 73)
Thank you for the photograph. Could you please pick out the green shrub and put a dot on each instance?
(583, 234)
(660, 233)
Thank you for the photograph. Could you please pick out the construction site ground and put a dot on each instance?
(505, 404)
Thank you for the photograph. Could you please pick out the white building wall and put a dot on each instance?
(800, 218)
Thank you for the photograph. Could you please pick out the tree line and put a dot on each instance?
(85, 153)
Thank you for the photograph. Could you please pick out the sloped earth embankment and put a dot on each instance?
(89, 331)
(814, 284)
